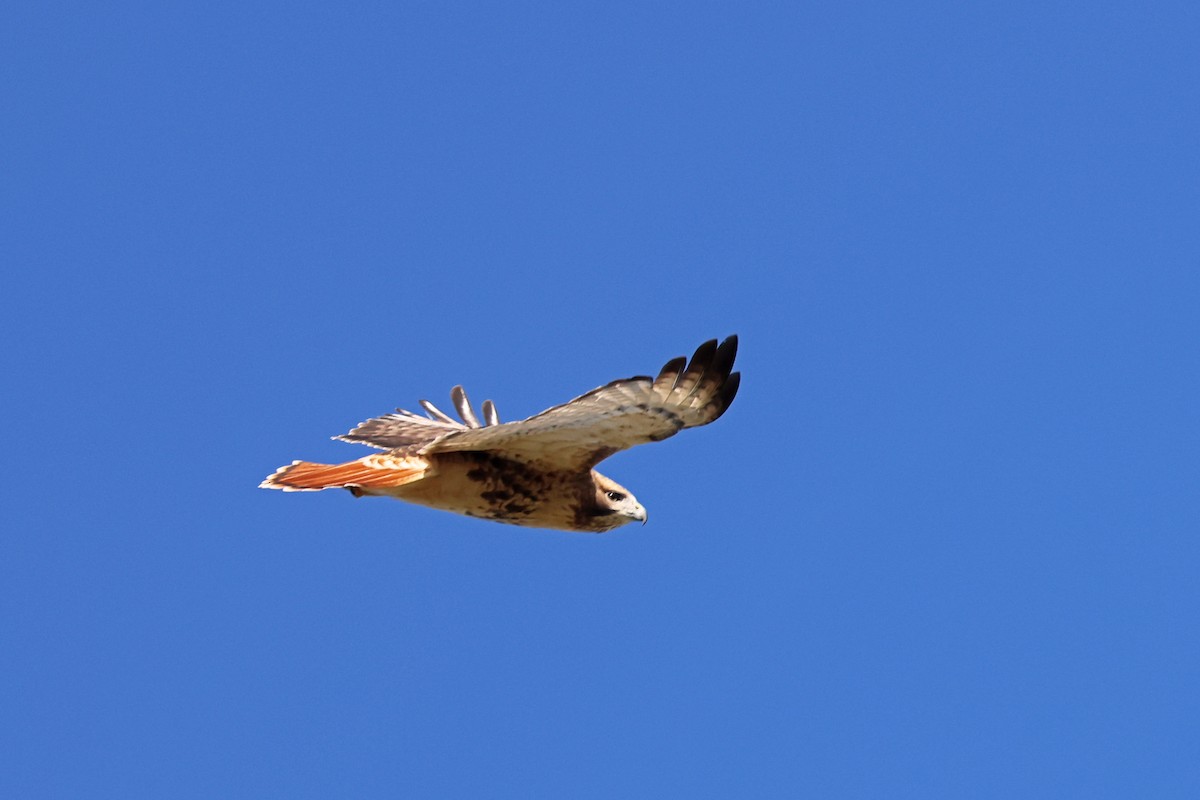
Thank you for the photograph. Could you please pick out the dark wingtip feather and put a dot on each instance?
(722, 361)
(669, 374)
(674, 365)
(703, 355)
(729, 391)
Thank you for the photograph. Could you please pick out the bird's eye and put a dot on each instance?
(616, 497)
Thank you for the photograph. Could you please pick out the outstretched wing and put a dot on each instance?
(579, 434)
(410, 432)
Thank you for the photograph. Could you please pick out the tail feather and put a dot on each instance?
(373, 472)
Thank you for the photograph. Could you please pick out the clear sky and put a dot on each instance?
(944, 544)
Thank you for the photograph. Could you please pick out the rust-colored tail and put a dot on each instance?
(378, 471)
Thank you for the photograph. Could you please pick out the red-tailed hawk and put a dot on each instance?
(536, 472)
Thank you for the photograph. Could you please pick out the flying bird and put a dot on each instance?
(537, 472)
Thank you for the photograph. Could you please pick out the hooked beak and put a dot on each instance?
(642, 515)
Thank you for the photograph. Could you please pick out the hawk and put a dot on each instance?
(537, 472)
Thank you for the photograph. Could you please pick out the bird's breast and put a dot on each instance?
(486, 486)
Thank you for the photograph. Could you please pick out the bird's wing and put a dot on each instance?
(409, 432)
(579, 434)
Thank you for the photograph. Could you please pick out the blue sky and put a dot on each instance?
(943, 545)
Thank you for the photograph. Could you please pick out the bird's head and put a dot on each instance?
(616, 502)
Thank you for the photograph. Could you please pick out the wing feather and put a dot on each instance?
(436, 413)
(582, 432)
(669, 374)
(490, 415)
(409, 432)
(690, 379)
(463, 405)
